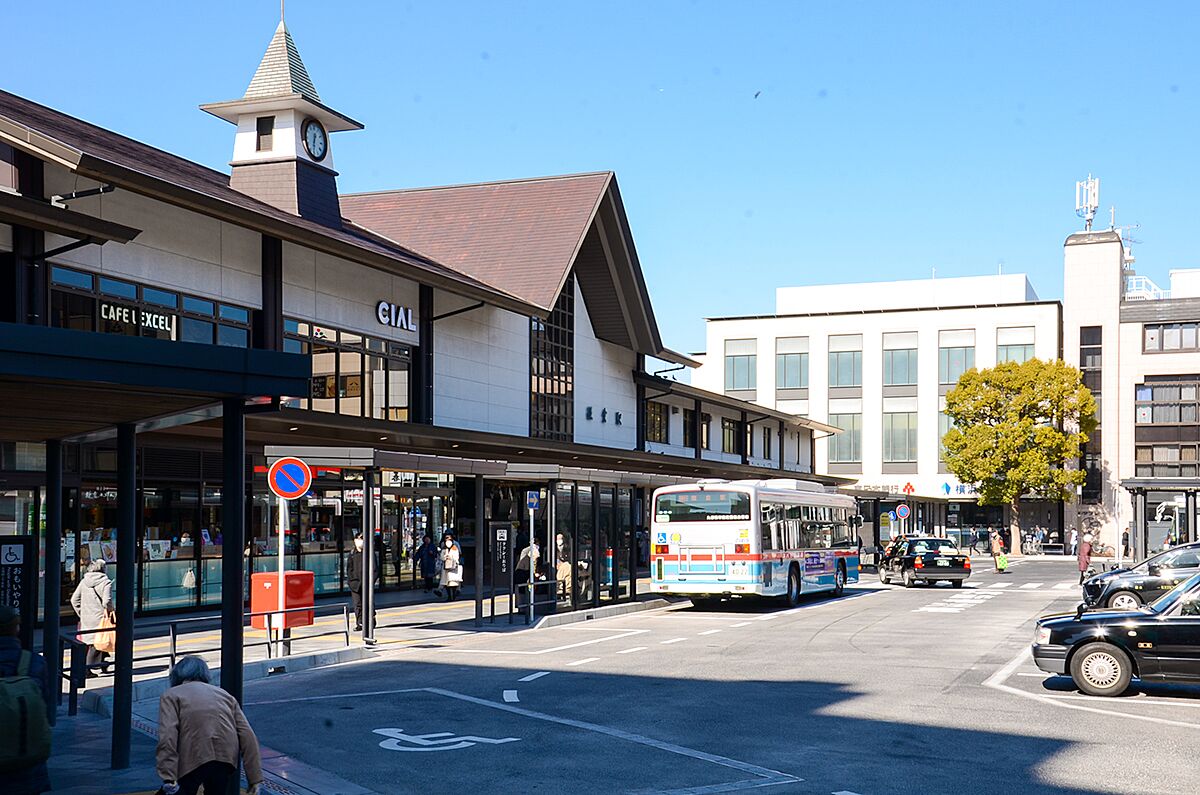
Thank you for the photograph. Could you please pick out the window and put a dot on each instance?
(1090, 350)
(658, 422)
(741, 365)
(1166, 404)
(767, 436)
(900, 437)
(791, 363)
(1167, 460)
(945, 423)
(689, 435)
(1013, 353)
(265, 133)
(900, 367)
(846, 447)
(731, 438)
(352, 374)
(1170, 337)
(552, 370)
(87, 302)
(845, 368)
(953, 362)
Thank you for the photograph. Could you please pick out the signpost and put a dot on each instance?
(533, 501)
(289, 479)
(18, 578)
(903, 513)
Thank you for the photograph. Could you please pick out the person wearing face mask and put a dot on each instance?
(355, 572)
(452, 573)
(562, 568)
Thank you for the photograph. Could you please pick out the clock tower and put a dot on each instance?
(281, 151)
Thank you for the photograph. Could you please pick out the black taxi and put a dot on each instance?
(1103, 650)
(1129, 588)
(925, 559)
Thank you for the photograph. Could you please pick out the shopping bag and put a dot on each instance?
(106, 641)
(1002, 562)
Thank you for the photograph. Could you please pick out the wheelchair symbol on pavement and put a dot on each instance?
(437, 741)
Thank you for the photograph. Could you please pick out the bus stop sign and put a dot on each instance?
(289, 478)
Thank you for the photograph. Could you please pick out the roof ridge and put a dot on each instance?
(519, 181)
(281, 72)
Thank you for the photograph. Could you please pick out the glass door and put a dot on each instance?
(607, 545)
(585, 549)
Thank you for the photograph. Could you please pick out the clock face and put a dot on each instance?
(315, 140)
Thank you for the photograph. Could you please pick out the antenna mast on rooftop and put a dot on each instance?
(1087, 199)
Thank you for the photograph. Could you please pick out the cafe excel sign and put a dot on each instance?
(131, 315)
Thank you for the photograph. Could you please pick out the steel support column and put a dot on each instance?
(1189, 505)
(369, 574)
(1141, 537)
(233, 535)
(52, 597)
(482, 541)
(127, 511)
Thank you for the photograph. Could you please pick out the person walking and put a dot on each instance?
(1074, 540)
(1084, 557)
(1126, 550)
(23, 676)
(355, 573)
(427, 561)
(202, 734)
(92, 602)
(452, 574)
(998, 557)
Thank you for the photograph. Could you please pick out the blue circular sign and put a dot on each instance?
(289, 478)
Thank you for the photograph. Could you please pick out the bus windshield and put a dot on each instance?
(702, 506)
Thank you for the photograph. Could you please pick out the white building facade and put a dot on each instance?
(876, 360)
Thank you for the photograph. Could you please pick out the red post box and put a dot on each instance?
(297, 592)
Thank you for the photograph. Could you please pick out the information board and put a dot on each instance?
(18, 581)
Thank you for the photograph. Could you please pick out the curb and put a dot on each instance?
(100, 701)
(608, 611)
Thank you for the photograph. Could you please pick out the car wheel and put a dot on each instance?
(793, 588)
(883, 577)
(839, 580)
(1101, 669)
(909, 579)
(956, 583)
(1124, 600)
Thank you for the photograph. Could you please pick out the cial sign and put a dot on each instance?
(389, 314)
(289, 478)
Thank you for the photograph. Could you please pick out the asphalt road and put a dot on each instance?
(886, 690)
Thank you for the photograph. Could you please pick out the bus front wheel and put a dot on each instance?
(839, 579)
(793, 587)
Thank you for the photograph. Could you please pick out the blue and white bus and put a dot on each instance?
(776, 538)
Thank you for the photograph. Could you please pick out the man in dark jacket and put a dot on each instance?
(35, 779)
(427, 560)
(355, 572)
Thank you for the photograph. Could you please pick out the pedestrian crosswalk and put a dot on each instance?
(980, 593)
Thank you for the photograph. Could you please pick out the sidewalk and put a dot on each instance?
(79, 764)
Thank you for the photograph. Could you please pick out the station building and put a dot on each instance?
(454, 347)
(876, 361)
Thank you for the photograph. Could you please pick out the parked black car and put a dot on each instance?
(924, 559)
(1129, 588)
(1104, 650)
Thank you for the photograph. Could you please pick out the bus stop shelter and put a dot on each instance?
(60, 384)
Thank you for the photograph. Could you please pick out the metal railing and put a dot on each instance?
(278, 639)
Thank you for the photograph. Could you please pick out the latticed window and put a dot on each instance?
(552, 370)
(658, 422)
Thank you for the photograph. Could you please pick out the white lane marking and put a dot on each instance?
(1136, 700)
(760, 773)
(531, 677)
(996, 682)
(623, 634)
(1029, 586)
(710, 632)
(632, 650)
(845, 792)
(672, 640)
(1039, 675)
(998, 585)
(853, 593)
(581, 662)
(743, 624)
(510, 696)
(1062, 586)
(939, 610)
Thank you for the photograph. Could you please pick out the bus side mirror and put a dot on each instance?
(857, 521)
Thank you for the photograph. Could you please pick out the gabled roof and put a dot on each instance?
(281, 72)
(524, 237)
(100, 154)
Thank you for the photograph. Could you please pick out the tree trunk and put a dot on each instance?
(1014, 528)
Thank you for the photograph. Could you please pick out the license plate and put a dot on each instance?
(943, 562)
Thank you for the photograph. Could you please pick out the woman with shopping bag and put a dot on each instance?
(92, 602)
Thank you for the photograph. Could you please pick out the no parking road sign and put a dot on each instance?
(289, 478)
(902, 511)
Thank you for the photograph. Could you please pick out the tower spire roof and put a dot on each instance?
(281, 72)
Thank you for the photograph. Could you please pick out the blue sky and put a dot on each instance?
(887, 139)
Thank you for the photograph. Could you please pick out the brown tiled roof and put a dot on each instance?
(107, 156)
(520, 236)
